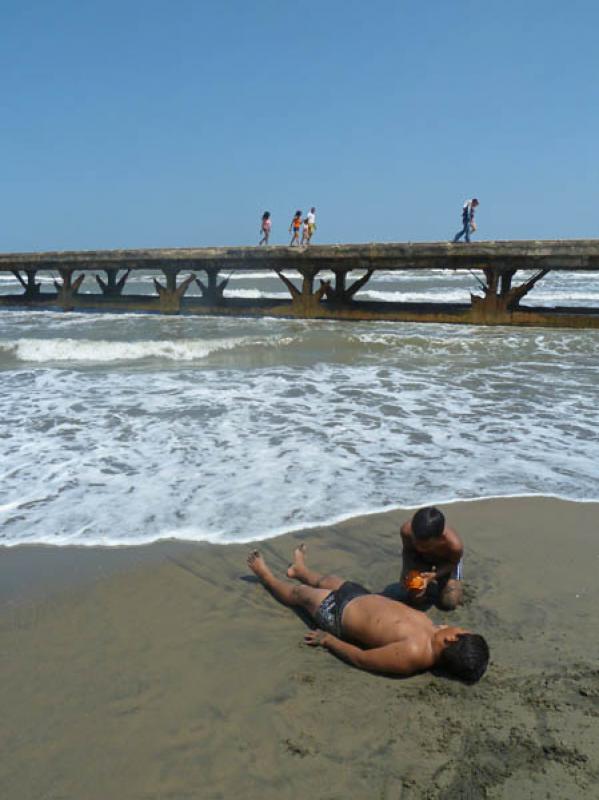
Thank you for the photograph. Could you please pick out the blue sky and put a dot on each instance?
(134, 124)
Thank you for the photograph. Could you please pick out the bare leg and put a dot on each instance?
(451, 595)
(300, 572)
(307, 597)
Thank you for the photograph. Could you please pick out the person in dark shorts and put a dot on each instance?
(294, 228)
(432, 560)
(371, 631)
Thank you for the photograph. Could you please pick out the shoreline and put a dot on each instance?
(166, 670)
(277, 533)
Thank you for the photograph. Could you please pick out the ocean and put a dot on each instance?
(129, 428)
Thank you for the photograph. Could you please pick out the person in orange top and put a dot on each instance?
(295, 226)
(432, 560)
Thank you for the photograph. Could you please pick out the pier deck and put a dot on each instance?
(497, 301)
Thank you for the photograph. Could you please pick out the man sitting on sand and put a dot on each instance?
(432, 557)
(392, 638)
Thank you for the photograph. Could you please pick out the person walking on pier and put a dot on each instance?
(296, 224)
(305, 232)
(468, 224)
(311, 223)
(265, 227)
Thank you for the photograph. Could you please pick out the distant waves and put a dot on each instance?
(129, 428)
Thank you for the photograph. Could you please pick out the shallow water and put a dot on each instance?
(121, 428)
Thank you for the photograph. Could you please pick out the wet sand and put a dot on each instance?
(169, 672)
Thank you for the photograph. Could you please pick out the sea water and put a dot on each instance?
(128, 428)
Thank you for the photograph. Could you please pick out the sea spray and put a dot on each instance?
(126, 428)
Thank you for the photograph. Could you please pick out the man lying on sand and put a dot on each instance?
(392, 637)
(432, 559)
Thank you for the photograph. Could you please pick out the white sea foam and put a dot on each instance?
(254, 294)
(537, 297)
(455, 296)
(71, 350)
(398, 415)
(44, 351)
(41, 277)
(127, 428)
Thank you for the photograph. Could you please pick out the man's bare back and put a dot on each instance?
(389, 636)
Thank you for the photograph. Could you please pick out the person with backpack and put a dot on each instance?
(468, 224)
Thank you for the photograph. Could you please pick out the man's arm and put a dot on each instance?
(454, 554)
(406, 540)
(405, 531)
(444, 570)
(392, 659)
(409, 556)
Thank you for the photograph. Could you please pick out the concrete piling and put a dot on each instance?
(496, 300)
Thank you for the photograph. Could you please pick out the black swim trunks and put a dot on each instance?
(329, 615)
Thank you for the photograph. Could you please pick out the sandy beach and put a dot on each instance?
(167, 671)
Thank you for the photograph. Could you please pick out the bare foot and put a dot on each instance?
(256, 563)
(297, 565)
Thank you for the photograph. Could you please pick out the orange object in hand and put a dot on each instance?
(414, 581)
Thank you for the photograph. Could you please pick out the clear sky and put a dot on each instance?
(155, 123)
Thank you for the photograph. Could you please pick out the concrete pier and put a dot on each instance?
(498, 300)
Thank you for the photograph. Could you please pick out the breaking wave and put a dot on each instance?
(44, 351)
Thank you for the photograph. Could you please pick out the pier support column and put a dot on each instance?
(307, 301)
(68, 289)
(171, 294)
(500, 298)
(212, 291)
(33, 289)
(339, 294)
(112, 287)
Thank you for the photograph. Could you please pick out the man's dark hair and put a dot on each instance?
(467, 657)
(428, 523)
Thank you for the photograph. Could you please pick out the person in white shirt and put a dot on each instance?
(311, 223)
(468, 224)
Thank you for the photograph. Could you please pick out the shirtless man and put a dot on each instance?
(435, 550)
(389, 636)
